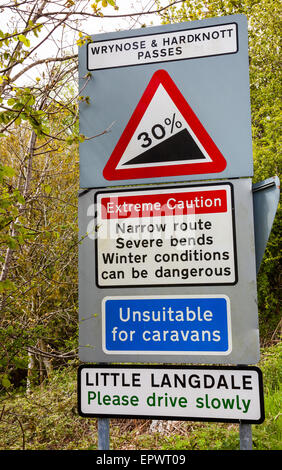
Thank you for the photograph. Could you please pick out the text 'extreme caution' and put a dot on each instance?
(182, 236)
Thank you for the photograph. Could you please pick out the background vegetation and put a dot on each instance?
(39, 137)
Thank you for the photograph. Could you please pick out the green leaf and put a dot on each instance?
(12, 243)
(6, 171)
(6, 382)
(24, 40)
(6, 285)
(47, 189)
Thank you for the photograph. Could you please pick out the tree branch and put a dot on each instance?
(43, 61)
(93, 15)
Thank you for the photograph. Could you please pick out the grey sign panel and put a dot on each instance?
(266, 195)
(167, 103)
(148, 303)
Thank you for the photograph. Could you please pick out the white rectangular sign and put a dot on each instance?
(228, 394)
(171, 236)
(162, 47)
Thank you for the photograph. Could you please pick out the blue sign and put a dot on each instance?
(161, 324)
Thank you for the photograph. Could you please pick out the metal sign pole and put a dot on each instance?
(245, 436)
(103, 434)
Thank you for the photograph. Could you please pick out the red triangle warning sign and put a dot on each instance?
(163, 137)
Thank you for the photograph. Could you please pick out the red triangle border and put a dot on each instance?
(217, 165)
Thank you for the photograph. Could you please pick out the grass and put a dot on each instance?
(48, 420)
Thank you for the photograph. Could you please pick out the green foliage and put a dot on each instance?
(268, 435)
(48, 420)
(10, 201)
(39, 136)
(271, 366)
(105, 3)
(264, 20)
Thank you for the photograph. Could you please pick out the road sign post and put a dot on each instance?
(167, 272)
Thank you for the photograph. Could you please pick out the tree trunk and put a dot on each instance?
(46, 361)
(30, 372)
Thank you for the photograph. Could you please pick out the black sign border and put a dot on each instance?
(163, 284)
(173, 367)
(163, 32)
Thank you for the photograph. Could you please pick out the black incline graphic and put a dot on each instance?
(180, 146)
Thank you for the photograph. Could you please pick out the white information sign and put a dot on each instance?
(177, 45)
(230, 394)
(171, 236)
